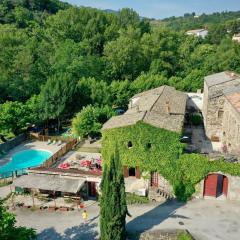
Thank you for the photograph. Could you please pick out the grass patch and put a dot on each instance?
(133, 235)
(184, 236)
(89, 149)
(4, 184)
(135, 199)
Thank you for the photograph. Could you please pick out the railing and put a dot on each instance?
(66, 148)
(44, 138)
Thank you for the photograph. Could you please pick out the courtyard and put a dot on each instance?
(205, 219)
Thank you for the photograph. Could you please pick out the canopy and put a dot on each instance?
(50, 182)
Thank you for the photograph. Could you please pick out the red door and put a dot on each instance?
(225, 185)
(125, 171)
(92, 189)
(154, 179)
(210, 185)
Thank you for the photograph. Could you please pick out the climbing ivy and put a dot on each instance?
(155, 149)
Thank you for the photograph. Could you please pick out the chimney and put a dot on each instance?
(167, 108)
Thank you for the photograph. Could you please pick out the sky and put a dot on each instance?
(163, 8)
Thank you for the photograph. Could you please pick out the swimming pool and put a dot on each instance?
(25, 159)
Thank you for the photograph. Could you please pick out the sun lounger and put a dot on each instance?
(59, 143)
(54, 142)
(49, 141)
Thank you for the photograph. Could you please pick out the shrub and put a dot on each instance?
(196, 119)
(135, 199)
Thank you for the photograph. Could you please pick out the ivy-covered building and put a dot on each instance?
(148, 137)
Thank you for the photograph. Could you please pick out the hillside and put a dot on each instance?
(57, 60)
(25, 12)
(192, 21)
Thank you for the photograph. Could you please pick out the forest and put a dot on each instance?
(59, 61)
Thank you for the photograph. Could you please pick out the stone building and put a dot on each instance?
(163, 108)
(213, 102)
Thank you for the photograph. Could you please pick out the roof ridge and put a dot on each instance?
(164, 86)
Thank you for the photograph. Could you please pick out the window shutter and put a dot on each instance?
(138, 173)
(125, 171)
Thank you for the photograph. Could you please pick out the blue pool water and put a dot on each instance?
(25, 159)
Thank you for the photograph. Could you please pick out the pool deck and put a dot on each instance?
(29, 145)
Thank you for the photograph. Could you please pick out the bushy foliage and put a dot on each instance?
(14, 116)
(68, 57)
(9, 231)
(135, 199)
(89, 121)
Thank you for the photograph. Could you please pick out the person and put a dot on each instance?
(85, 216)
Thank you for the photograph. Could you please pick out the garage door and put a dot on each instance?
(210, 185)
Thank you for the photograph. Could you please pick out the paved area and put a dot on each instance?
(4, 191)
(29, 145)
(205, 219)
(77, 157)
(203, 144)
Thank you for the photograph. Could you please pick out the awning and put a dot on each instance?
(50, 183)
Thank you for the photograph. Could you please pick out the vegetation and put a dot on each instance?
(89, 121)
(184, 236)
(8, 230)
(113, 200)
(56, 59)
(3, 184)
(135, 199)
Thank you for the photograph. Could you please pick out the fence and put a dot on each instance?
(69, 144)
(66, 148)
(5, 147)
(43, 138)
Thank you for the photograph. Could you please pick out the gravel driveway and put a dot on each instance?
(205, 219)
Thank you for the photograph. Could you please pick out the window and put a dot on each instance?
(129, 144)
(149, 145)
(220, 113)
(132, 172)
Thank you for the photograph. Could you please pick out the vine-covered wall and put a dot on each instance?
(155, 149)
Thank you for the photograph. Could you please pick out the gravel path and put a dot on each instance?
(205, 219)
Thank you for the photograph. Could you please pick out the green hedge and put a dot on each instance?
(155, 149)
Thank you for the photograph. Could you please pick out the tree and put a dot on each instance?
(148, 81)
(14, 116)
(123, 56)
(89, 121)
(113, 200)
(56, 96)
(9, 231)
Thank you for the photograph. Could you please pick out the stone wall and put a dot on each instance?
(165, 185)
(5, 147)
(231, 129)
(213, 108)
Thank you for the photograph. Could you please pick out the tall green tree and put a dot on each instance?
(113, 201)
(56, 96)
